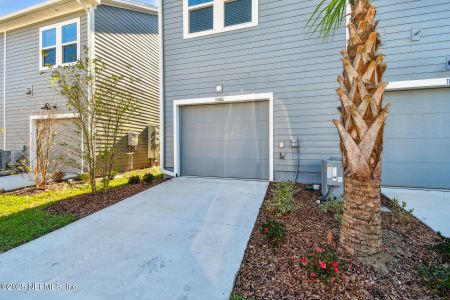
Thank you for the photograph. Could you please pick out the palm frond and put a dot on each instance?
(327, 18)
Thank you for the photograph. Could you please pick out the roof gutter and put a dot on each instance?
(161, 91)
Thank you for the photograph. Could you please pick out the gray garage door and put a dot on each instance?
(225, 140)
(417, 139)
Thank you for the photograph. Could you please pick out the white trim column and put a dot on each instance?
(4, 90)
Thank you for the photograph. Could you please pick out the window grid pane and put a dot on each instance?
(49, 57)
(238, 12)
(197, 2)
(69, 33)
(69, 53)
(201, 19)
(49, 38)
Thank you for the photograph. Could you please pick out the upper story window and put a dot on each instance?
(202, 17)
(59, 44)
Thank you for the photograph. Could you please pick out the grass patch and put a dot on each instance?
(24, 218)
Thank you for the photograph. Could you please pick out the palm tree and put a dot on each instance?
(362, 121)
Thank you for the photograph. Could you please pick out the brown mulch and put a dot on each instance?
(86, 204)
(268, 273)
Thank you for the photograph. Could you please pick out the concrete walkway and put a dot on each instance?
(430, 206)
(18, 181)
(184, 239)
(14, 182)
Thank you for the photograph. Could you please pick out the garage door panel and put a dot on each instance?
(417, 139)
(225, 140)
(214, 113)
(406, 150)
(419, 101)
(419, 125)
(229, 168)
(221, 130)
(412, 175)
(230, 149)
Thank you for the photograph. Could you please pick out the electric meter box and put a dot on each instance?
(332, 177)
(133, 138)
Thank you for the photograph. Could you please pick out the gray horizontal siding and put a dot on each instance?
(280, 56)
(411, 60)
(277, 56)
(22, 71)
(130, 38)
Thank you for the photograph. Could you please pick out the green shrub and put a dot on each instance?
(235, 296)
(158, 176)
(282, 201)
(334, 206)
(437, 278)
(113, 174)
(400, 213)
(58, 176)
(84, 177)
(274, 232)
(322, 264)
(148, 177)
(442, 247)
(2, 191)
(135, 179)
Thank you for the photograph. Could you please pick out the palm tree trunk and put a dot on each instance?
(361, 132)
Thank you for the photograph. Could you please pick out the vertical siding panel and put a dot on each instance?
(130, 38)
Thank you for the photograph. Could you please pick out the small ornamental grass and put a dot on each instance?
(134, 179)
(401, 213)
(282, 201)
(437, 278)
(148, 178)
(334, 206)
(274, 232)
(322, 265)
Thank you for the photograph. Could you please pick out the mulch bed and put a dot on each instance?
(268, 273)
(86, 204)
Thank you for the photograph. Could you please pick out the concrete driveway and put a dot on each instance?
(430, 206)
(184, 239)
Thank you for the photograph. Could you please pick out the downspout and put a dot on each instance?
(161, 90)
(4, 90)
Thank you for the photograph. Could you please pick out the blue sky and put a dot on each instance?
(9, 6)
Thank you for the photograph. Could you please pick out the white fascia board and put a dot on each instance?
(418, 84)
(131, 5)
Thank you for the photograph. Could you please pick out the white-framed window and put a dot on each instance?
(59, 44)
(203, 17)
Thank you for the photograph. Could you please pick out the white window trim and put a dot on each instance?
(218, 18)
(59, 44)
(219, 100)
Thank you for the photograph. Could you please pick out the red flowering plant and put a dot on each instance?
(274, 232)
(321, 264)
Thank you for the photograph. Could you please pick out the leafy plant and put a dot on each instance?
(442, 247)
(135, 179)
(334, 206)
(235, 296)
(148, 177)
(2, 191)
(58, 176)
(401, 213)
(84, 177)
(274, 232)
(322, 264)
(282, 201)
(436, 277)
